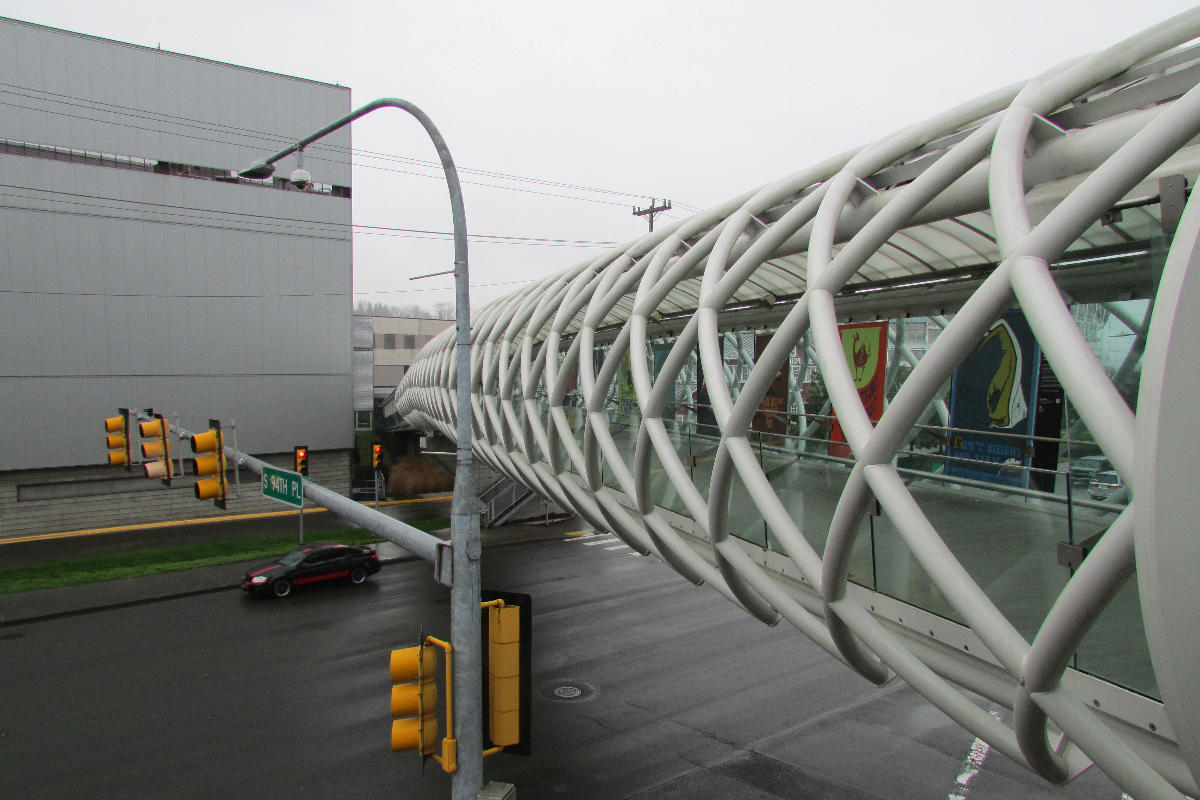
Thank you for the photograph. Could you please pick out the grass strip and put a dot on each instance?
(152, 561)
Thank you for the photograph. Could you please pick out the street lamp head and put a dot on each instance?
(258, 171)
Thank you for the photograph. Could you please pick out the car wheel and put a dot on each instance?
(281, 588)
(358, 575)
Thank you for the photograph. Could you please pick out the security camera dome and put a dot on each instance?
(301, 178)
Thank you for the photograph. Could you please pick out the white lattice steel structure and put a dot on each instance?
(1039, 196)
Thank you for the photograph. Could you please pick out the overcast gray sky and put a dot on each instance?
(691, 100)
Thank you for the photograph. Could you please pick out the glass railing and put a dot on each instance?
(809, 486)
(1007, 537)
(1116, 649)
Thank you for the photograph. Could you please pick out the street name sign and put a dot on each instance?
(283, 485)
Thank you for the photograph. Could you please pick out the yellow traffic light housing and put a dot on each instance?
(414, 699)
(300, 456)
(156, 448)
(209, 465)
(117, 429)
(504, 675)
(376, 455)
(506, 627)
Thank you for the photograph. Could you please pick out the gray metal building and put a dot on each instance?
(136, 269)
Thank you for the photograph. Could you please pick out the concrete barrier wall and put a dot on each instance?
(44, 501)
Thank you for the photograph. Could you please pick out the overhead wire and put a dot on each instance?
(214, 127)
(446, 289)
(314, 151)
(438, 176)
(324, 226)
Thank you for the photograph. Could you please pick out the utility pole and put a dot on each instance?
(650, 210)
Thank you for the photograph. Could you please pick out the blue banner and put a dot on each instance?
(993, 392)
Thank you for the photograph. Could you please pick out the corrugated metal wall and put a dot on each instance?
(81, 91)
(364, 363)
(121, 287)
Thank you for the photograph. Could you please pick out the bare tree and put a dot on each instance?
(374, 309)
(407, 310)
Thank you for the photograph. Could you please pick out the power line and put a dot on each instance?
(275, 221)
(201, 224)
(438, 177)
(447, 289)
(168, 222)
(213, 127)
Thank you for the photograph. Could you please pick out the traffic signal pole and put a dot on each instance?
(414, 540)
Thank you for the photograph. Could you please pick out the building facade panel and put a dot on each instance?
(113, 97)
(150, 283)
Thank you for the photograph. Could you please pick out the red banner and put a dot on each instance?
(865, 345)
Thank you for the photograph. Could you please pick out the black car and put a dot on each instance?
(320, 562)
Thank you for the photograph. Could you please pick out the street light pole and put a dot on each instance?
(464, 509)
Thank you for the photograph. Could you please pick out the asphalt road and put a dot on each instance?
(682, 696)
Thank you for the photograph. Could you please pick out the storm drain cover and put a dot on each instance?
(568, 690)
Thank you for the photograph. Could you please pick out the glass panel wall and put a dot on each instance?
(1000, 464)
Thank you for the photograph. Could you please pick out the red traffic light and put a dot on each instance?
(300, 459)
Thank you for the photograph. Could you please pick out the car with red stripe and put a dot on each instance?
(312, 564)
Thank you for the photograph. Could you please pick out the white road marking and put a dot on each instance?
(971, 766)
(605, 540)
(618, 547)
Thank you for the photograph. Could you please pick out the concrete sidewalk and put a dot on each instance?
(27, 607)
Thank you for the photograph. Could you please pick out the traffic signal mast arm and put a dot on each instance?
(449, 755)
(414, 540)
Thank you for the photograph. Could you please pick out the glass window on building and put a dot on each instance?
(389, 341)
(408, 341)
(362, 420)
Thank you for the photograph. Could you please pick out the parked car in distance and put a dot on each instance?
(1085, 468)
(1104, 484)
(312, 564)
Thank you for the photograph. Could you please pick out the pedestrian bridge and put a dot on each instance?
(924, 401)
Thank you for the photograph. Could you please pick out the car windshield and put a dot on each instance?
(293, 558)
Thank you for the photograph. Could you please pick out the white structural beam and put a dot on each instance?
(1000, 203)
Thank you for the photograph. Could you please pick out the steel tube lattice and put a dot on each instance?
(990, 199)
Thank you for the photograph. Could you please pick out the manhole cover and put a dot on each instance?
(568, 689)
